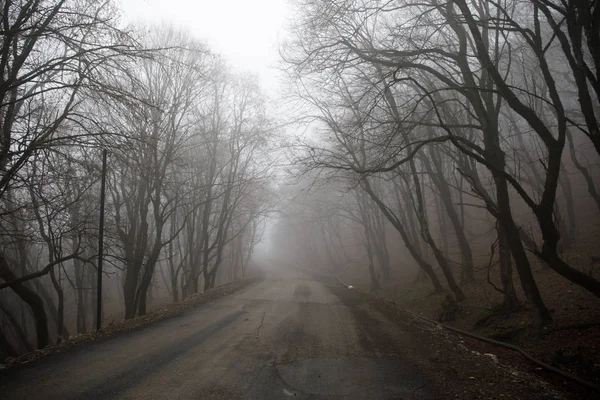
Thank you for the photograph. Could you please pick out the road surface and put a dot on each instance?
(279, 338)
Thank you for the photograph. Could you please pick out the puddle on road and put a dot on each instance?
(384, 378)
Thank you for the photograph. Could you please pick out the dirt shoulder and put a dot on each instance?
(131, 325)
(571, 343)
(460, 367)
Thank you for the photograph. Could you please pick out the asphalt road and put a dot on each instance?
(283, 337)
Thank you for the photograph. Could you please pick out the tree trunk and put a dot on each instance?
(426, 234)
(380, 241)
(510, 301)
(446, 198)
(174, 287)
(129, 292)
(501, 209)
(78, 266)
(60, 308)
(540, 313)
(407, 242)
(50, 307)
(173, 271)
(571, 223)
(209, 279)
(495, 156)
(143, 298)
(9, 350)
(32, 299)
(332, 261)
(213, 279)
(144, 286)
(368, 237)
(443, 231)
(375, 287)
(591, 187)
(20, 333)
(184, 285)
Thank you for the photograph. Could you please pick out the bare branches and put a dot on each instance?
(44, 271)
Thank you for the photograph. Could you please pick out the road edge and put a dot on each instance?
(115, 329)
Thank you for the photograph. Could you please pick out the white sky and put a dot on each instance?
(246, 32)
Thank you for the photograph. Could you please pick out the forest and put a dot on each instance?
(445, 144)
(187, 181)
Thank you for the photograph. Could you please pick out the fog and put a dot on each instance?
(378, 143)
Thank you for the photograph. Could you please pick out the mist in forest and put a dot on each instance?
(382, 143)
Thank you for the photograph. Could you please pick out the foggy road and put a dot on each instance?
(283, 337)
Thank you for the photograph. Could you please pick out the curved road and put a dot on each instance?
(283, 337)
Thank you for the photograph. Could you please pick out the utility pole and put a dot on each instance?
(101, 243)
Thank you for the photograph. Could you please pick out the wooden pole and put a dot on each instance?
(101, 243)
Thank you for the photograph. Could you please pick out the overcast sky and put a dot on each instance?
(246, 32)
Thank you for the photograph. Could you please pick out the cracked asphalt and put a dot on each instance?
(284, 337)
